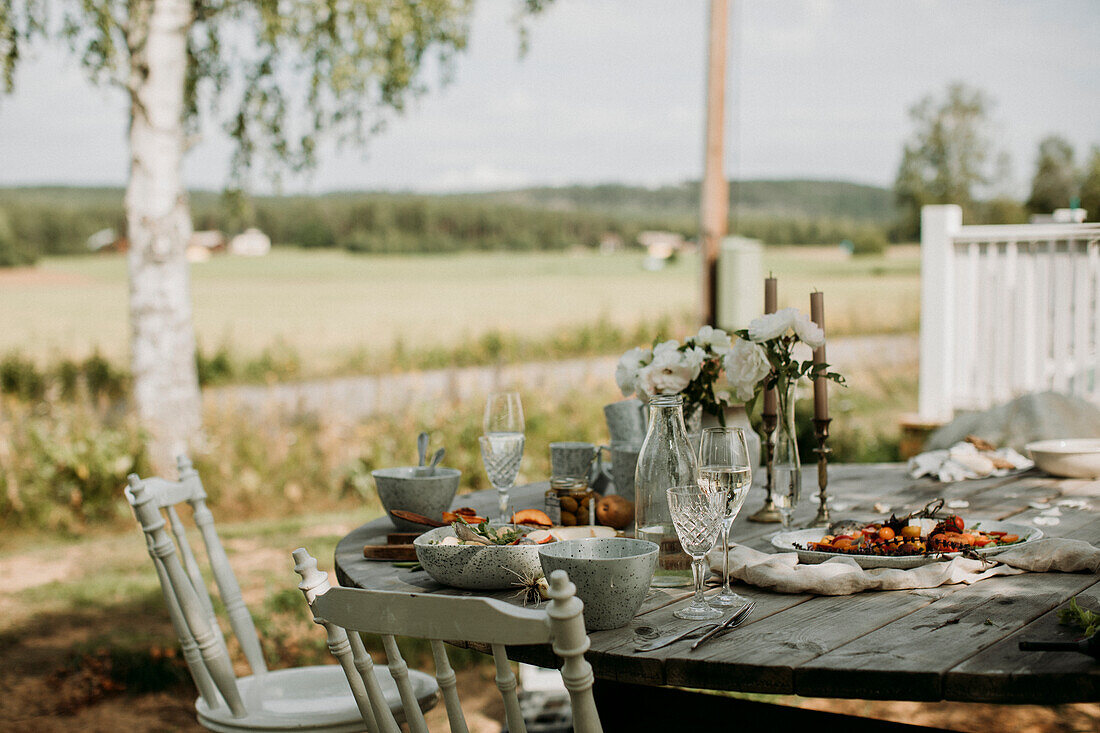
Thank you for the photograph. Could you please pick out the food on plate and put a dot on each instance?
(896, 537)
(536, 517)
(614, 511)
(468, 515)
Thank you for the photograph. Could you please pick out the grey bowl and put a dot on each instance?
(491, 567)
(401, 488)
(612, 575)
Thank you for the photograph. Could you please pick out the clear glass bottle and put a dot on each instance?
(787, 468)
(665, 461)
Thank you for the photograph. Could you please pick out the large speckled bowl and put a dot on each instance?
(612, 575)
(493, 567)
(401, 488)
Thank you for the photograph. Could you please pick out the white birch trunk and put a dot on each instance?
(162, 342)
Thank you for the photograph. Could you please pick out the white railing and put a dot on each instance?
(1006, 310)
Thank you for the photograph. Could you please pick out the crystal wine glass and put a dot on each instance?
(502, 443)
(697, 516)
(724, 467)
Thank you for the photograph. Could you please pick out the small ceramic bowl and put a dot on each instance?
(401, 488)
(1073, 458)
(612, 575)
(476, 567)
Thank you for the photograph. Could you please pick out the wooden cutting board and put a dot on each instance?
(398, 548)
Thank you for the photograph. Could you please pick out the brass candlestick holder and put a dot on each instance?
(768, 514)
(821, 433)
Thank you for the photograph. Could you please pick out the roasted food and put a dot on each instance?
(950, 534)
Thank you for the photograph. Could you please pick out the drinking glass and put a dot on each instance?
(502, 443)
(725, 468)
(697, 516)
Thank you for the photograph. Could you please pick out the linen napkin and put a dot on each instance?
(841, 575)
(964, 460)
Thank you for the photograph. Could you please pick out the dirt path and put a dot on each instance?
(356, 397)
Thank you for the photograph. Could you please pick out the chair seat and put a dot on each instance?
(309, 698)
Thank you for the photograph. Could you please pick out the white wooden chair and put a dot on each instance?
(302, 698)
(469, 618)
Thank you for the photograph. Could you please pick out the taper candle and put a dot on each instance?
(771, 304)
(821, 389)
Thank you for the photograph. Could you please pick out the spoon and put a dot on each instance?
(437, 458)
(422, 447)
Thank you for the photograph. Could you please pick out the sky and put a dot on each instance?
(613, 91)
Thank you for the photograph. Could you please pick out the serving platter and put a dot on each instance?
(786, 541)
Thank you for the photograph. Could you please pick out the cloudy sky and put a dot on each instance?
(612, 90)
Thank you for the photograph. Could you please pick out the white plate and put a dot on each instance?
(785, 541)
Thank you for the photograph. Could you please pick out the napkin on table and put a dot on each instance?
(841, 575)
(964, 460)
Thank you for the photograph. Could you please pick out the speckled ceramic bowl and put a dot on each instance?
(493, 567)
(612, 575)
(401, 488)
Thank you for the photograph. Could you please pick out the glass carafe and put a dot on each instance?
(665, 461)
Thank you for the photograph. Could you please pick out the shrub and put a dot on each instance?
(20, 377)
(869, 241)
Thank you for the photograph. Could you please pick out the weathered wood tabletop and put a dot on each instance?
(954, 642)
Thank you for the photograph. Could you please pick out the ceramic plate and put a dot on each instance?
(785, 541)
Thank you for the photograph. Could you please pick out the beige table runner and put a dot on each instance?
(842, 575)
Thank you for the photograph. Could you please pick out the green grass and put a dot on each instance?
(335, 312)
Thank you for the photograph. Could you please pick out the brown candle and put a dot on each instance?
(771, 304)
(821, 388)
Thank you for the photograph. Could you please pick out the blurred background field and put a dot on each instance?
(331, 312)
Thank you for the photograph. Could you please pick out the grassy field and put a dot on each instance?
(331, 308)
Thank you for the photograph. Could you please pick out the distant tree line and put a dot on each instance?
(950, 158)
(59, 221)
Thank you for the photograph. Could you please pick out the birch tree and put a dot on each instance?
(281, 72)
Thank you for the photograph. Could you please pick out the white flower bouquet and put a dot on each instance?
(762, 357)
(691, 369)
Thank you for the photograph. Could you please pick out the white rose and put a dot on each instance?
(743, 391)
(746, 365)
(694, 357)
(672, 346)
(626, 372)
(772, 325)
(808, 332)
(714, 338)
(669, 373)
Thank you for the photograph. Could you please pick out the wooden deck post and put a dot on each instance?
(938, 224)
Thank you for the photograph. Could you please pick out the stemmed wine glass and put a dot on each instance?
(502, 443)
(724, 467)
(697, 516)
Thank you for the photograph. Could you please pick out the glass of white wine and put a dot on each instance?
(725, 468)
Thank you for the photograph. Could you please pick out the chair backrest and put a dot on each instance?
(1005, 311)
(185, 591)
(438, 618)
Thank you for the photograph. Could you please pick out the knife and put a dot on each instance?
(731, 623)
(663, 641)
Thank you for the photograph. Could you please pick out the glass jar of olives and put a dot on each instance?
(569, 502)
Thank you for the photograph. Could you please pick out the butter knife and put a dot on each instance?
(663, 641)
(731, 623)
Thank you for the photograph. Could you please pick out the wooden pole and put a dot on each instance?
(714, 198)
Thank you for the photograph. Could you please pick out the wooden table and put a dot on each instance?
(950, 643)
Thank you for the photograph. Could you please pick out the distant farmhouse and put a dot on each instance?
(201, 247)
(250, 243)
(204, 245)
